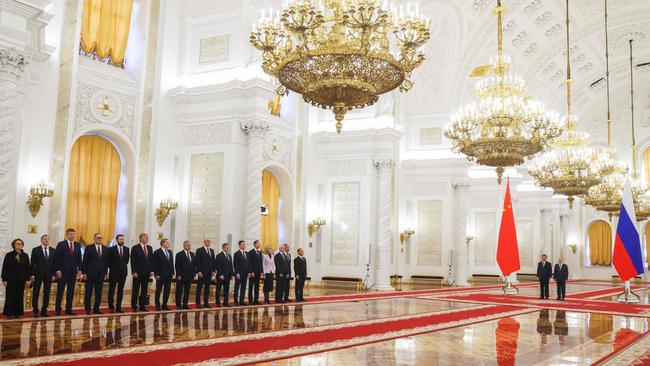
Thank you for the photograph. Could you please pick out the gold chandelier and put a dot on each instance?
(504, 127)
(337, 53)
(571, 168)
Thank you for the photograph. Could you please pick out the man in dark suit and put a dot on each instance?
(300, 273)
(117, 262)
(93, 268)
(163, 271)
(204, 271)
(287, 277)
(42, 262)
(224, 273)
(255, 267)
(67, 259)
(561, 274)
(242, 274)
(280, 273)
(142, 270)
(184, 274)
(544, 274)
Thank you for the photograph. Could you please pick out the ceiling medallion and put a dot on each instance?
(505, 127)
(338, 53)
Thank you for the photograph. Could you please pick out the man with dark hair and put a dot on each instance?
(224, 273)
(561, 274)
(544, 274)
(141, 269)
(281, 271)
(242, 274)
(67, 259)
(300, 273)
(185, 271)
(287, 277)
(42, 261)
(117, 262)
(93, 268)
(163, 269)
(204, 271)
(256, 270)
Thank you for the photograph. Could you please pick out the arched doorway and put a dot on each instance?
(277, 196)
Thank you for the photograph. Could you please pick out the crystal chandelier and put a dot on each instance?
(571, 168)
(338, 53)
(606, 196)
(504, 127)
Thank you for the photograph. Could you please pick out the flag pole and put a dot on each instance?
(509, 288)
(627, 296)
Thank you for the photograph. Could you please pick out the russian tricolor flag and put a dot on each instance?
(628, 260)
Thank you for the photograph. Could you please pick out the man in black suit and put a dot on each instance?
(93, 268)
(42, 261)
(204, 271)
(142, 270)
(242, 274)
(300, 272)
(561, 274)
(163, 271)
(280, 273)
(287, 277)
(184, 274)
(67, 259)
(224, 273)
(255, 267)
(544, 274)
(117, 262)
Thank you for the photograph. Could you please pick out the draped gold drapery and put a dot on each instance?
(105, 29)
(646, 164)
(93, 186)
(600, 243)
(271, 198)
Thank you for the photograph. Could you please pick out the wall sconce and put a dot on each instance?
(166, 207)
(36, 194)
(405, 235)
(574, 248)
(468, 238)
(314, 226)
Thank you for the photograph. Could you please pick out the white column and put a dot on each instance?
(384, 253)
(256, 132)
(12, 69)
(461, 247)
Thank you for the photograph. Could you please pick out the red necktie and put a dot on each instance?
(145, 251)
(71, 248)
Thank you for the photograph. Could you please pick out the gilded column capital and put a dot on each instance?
(12, 64)
(382, 164)
(255, 128)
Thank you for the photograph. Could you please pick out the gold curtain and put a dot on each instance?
(93, 187)
(600, 243)
(646, 164)
(271, 198)
(105, 29)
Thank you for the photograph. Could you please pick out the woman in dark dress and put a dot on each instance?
(268, 266)
(15, 271)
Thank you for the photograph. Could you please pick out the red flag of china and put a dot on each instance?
(507, 248)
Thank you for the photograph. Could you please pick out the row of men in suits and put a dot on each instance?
(65, 264)
(545, 272)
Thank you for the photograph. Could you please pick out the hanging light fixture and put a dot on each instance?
(339, 53)
(572, 167)
(505, 127)
(606, 196)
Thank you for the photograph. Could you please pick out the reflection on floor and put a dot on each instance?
(527, 336)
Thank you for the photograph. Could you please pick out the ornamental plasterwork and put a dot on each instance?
(96, 106)
(346, 168)
(12, 64)
(428, 189)
(208, 134)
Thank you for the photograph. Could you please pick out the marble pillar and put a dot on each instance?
(12, 70)
(461, 246)
(384, 253)
(255, 132)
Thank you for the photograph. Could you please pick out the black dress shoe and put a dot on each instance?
(236, 303)
(187, 307)
(69, 312)
(166, 308)
(44, 314)
(119, 310)
(227, 306)
(58, 313)
(35, 313)
(98, 311)
(142, 308)
(157, 307)
(134, 309)
(206, 306)
(87, 312)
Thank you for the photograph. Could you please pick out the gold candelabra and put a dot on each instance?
(314, 226)
(339, 53)
(166, 207)
(405, 235)
(36, 194)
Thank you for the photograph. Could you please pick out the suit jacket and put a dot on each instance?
(140, 263)
(94, 263)
(162, 266)
(300, 267)
(544, 272)
(65, 262)
(42, 268)
(224, 265)
(255, 261)
(241, 263)
(281, 265)
(205, 261)
(561, 273)
(116, 264)
(15, 267)
(185, 268)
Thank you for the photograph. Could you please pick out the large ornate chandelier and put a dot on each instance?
(339, 53)
(504, 127)
(571, 168)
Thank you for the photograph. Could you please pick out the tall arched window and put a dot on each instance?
(270, 198)
(600, 243)
(93, 187)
